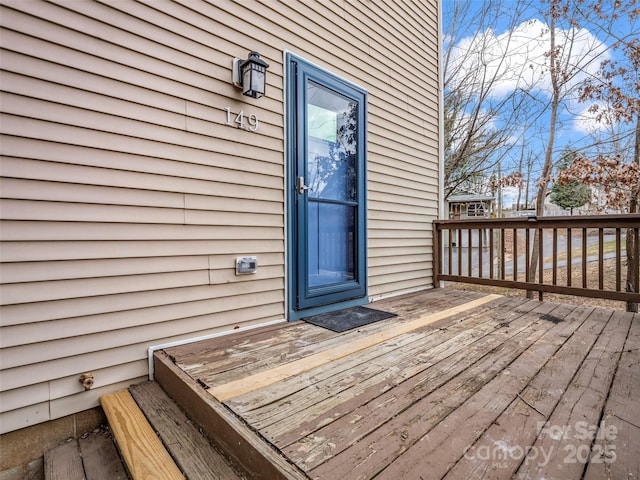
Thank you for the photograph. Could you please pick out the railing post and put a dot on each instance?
(541, 261)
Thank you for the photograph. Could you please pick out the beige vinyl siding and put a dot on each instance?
(126, 198)
(396, 39)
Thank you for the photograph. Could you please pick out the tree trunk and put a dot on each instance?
(548, 157)
(632, 260)
(520, 167)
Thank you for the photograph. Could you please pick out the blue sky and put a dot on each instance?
(514, 40)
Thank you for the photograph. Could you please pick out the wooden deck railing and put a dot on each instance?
(584, 256)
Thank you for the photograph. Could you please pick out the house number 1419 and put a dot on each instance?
(246, 122)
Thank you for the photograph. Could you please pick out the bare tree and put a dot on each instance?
(615, 93)
(494, 99)
(481, 120)
(572, 54)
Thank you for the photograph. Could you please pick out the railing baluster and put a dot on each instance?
(554, 256)
(459, 251)
(618, 260)
(527, 255)
(470, 252)
(450, 253)
(540, 260)
(480, 232)
(491, 259)
(584, 258)
(601, 259)
(515, 255)
(569, 259)
(437, 254)
(636, 244)
(502, 255)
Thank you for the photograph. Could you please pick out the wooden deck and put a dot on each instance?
(457, 386)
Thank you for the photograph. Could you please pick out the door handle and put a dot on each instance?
(300, 186)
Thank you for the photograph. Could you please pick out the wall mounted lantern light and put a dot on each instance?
(250, 75)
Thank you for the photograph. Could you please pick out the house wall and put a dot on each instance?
(126, 198)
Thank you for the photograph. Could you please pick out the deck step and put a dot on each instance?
(91, 457)
(190, 449)
(142, 451)
(155, 439)
(230, 434)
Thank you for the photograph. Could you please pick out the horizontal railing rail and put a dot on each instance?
(583, 255)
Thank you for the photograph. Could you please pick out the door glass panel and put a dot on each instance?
(332, 149)
(331, 243)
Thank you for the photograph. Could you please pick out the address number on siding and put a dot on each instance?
(240, 120)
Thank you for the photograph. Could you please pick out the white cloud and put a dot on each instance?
(518, 59)
(602, 123)
(587, 121)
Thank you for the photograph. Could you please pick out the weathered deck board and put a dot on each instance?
(64, 462)
(519, 424)
(286, 370)
(456, 412)
(100, 458)
(580, 408)
(380, 403)
(617, 443)
(189, 448)
(215, 362)
(419, 403)
(361, 381)
(218, 348)
(407, 311)
(219, 360)
(342, 379)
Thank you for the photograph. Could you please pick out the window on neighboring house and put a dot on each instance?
(476, 209)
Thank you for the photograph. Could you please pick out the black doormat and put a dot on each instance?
(349, 318)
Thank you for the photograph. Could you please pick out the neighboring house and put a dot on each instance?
(135, 174)
(469, 205)
(463, 205)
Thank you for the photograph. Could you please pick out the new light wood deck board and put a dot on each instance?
(285, 405)
(254, 382)
(220, 360)
(141, 449)
(413, 405)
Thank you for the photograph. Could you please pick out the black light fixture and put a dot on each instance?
(250, 75)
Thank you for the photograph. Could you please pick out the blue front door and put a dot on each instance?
(326, 122)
